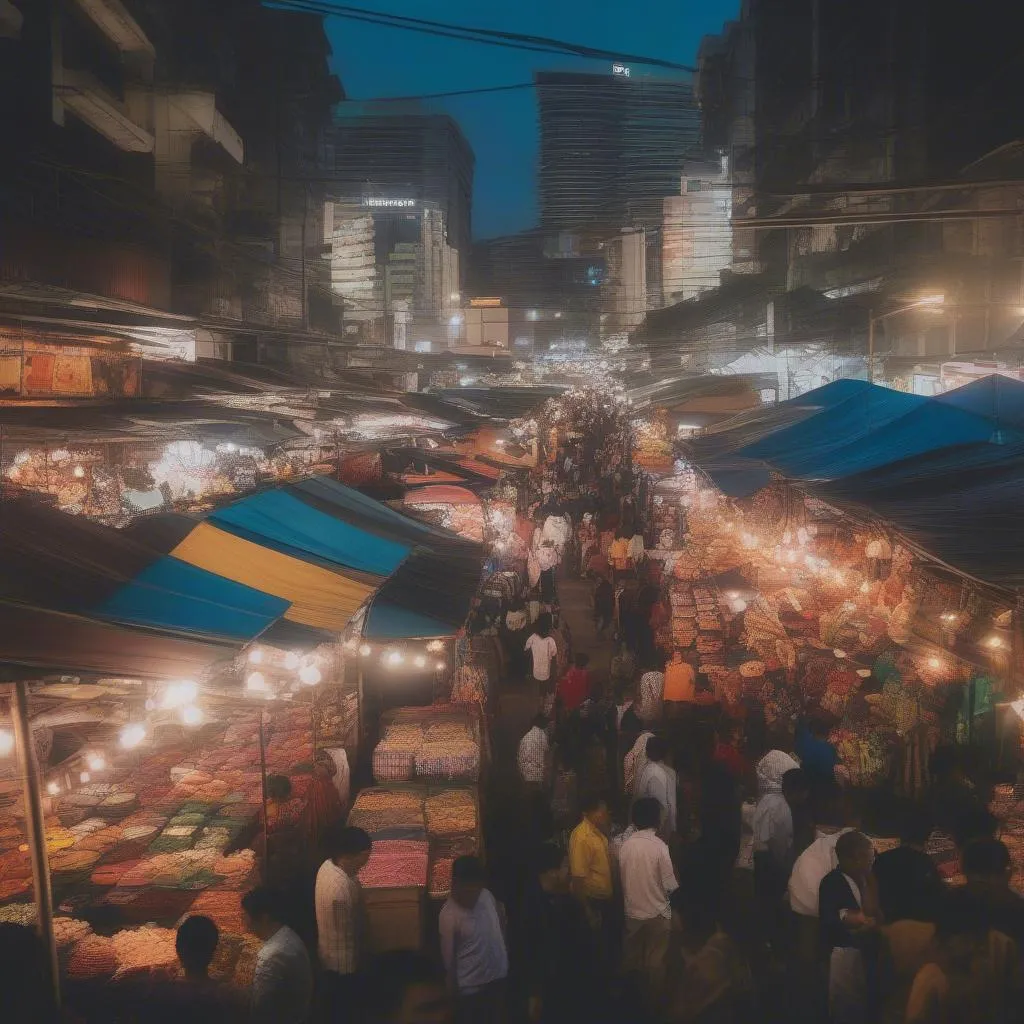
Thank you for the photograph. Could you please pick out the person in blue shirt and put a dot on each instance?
(818, 756)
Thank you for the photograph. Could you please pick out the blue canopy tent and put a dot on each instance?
(997, 397)
(70, 564)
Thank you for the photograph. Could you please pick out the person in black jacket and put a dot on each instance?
(847, 914)
(909, 887)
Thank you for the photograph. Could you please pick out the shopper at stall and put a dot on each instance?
(908, 884)
(848, 913)
(680, 687)
(652, 689)
(659, 781)
(817, 754)
(634, 763)
(282, 987)
(473, 946)
(197, 998)
(727, 750)
(648, 881)
(574, 687)
(340, 915)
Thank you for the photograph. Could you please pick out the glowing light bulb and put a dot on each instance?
(420, 661)
(191, 715)
(96, 762)
(52, 788)
(995, 642)
(440, 666)
(365, 650)
(934, 663)
(78, 472)
(84, 777)
(6, 742)
(435, 646)
(865, 588)
(291, 661)
(310, 675)
(393, 659)
(256, 682)
(256, 656)
(132, 735)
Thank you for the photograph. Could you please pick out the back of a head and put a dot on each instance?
(279, 787)
(582, 660)
(986, 859)
(196, 942)
(548, 858)
(974, 823)
(850, 845)
(544, 624)
(959, 914)
(468, 870)
(915, 824)
(656, 749)
(794, 783)
(591, 802)
(264, 903)
(540, 721)
(646, 813)
(346, 841)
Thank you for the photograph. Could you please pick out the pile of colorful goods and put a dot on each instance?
(451, 812)
(145, 950)
(387, 813)
(449, 759)
(395, 864)
(93, 957)
(440, 885)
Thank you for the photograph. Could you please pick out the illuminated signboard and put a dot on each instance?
(391, 204)
(486, 302)
(621, 69)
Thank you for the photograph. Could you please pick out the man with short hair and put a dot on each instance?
(908, 884)
(473, 945)
(847, 913)
(590, 866)
(540, 645)
(659, 781)
(340, 914)
(648, 880)
(282, 986)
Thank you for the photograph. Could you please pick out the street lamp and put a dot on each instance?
(934, 302)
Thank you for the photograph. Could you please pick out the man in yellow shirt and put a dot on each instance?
(591, 868)
(680, 687)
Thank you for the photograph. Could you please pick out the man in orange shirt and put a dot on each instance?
(680, 686)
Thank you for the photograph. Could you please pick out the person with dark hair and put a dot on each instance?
(404, 987)
(473, 945)
(648, 880)
(282, 987)
(541, 647)
(659, 781)
(818, 756)
(973, 976)
(591, 867)
(727, 751)
(338, 898)
(195, 943)
(908, 884)
(952, 798)
(987, 865)
(559, 945)
(604, 605)
(847, 912)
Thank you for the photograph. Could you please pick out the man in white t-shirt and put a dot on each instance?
(541, 646)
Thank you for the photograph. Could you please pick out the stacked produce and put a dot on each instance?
(394, 758)
(442, 749)
(395, 864)
(146, 949)
(440, 885)
(389, 814)
(451, 812)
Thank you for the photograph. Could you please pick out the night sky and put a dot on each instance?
(376, 62)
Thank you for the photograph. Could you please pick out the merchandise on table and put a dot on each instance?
(395, 864)
(451, 812)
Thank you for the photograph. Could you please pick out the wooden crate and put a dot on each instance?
(394, 918)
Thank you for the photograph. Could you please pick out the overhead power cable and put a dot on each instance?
(493, 37)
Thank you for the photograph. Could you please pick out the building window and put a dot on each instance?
(693, 185)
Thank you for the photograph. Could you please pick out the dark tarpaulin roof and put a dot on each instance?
(996, 397)
(503, 402)
(55, 641)
(475, 473)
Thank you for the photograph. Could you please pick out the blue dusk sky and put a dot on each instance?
(375, 62)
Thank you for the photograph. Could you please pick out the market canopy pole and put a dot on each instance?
(36, 830)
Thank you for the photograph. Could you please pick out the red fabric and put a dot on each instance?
(728, 756)
(574, 688)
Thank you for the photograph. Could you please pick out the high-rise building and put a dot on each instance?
(391, 151)
(611, 148)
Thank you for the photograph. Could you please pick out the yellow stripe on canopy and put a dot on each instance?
(319, 598)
